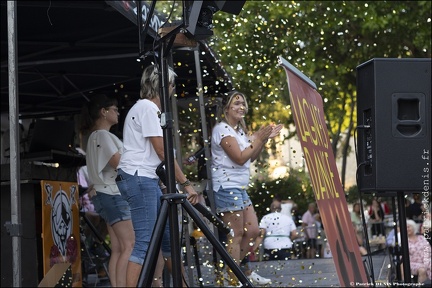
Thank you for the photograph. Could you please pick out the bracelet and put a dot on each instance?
(162, 185)
(186, 183)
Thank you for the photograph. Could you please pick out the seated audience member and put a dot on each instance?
(419, 253)
(277, 232)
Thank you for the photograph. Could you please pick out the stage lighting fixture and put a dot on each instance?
(199, 16)
(205, 18)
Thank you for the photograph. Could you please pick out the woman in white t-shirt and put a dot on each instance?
(102, 157)
(138, 181)
(232, 152)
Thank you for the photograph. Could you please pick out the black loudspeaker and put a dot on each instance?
(394, 124)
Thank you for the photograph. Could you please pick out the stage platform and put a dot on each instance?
(291, 273)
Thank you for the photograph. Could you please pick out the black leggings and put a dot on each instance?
(277, 254)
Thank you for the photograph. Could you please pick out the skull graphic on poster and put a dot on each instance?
(65, 245)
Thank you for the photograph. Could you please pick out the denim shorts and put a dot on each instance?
(112, 208)
(143, 195)
(231, 199)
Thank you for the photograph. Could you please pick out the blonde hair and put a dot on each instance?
(226, 102)
(150, 81)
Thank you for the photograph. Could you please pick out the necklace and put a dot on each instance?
(235, 127)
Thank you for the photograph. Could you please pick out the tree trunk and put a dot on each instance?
(346, 145)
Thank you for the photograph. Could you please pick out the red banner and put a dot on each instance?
(308, 112)
(60, 229)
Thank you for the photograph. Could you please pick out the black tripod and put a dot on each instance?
(169, 208)
(160, 171)
(91, 261)
(172, 199)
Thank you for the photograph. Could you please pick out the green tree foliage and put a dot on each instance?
(326, 40)
(353, 195)
(296, 187)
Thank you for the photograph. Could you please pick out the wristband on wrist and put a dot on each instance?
(186, 183)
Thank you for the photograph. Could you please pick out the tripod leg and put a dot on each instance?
(86, 260)
(215, 242)
(197, 264)
(149, 265)
(396, 251)
(404, 237)
(175, 238)
(95, 232)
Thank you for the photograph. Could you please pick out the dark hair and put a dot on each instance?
(90, 110)
(275, 207)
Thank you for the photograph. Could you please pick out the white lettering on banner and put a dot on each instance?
(155, 22)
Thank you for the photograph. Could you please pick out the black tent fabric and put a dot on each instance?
(67, 50)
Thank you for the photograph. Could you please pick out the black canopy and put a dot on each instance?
(67, 50)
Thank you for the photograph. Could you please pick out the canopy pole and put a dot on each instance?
(14, 227)
(204, 125)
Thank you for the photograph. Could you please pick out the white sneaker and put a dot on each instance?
(255, 278)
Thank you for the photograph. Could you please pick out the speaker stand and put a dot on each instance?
(404, 237)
